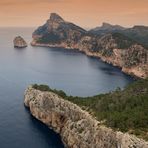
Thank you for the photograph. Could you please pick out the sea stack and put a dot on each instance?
(19, 42)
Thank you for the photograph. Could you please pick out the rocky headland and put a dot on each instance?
(113, 47)
(76, 127)
(19, 42)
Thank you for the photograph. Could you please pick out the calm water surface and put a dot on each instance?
(70, 71)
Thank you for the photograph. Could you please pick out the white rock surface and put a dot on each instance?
(77, 128)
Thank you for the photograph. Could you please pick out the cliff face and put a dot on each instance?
(114, 48)
(57, 31)
(19, 42)
(76, 127)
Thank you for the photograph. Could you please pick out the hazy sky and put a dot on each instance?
(86, 13)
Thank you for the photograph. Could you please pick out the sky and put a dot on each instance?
(85, 13)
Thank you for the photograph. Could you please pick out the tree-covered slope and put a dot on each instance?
(125, 110)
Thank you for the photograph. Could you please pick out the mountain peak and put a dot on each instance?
(104, 24)
(56, 18)
(140, 27)
(107, 26)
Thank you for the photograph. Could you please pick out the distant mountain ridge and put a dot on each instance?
(112, 43)
(137, 33)
(106, 28)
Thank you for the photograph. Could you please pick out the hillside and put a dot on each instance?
(57, 31)
(125, 110)
(137, 33)
(112, 47)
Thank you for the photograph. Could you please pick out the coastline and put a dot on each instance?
(135, 72)
(76, 127)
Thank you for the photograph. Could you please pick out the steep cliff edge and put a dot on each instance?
(114, 48)
(57, 32)
(76, 127)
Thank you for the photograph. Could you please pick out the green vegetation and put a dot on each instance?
(125, 110)
(134, 57)
(106, 52)
(123, 41)
(47, 88)
(138, 35)
(49, 38)
(41, 87)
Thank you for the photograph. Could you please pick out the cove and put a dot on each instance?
(71, 71)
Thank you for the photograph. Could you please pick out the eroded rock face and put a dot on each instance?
(57, 31)
(76, 127)
(114, 48)
(19, 42)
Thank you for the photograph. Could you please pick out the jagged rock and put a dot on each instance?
(77, 128)
(56, 18)
(19, 42)
(114, 48)
(57, 31)
(107, 28)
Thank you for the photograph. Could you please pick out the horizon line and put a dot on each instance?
(85, 27)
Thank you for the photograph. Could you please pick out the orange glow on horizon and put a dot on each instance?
(86, 13)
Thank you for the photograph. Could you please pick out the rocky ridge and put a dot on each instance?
(76, 127)
(114, 48)
(57, 31)
(19, 42)
(137, 33)
(107, 28)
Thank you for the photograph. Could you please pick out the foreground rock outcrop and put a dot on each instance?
(19, 42)
(76, 127)
(114, 48)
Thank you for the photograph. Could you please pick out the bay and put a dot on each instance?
(68, 70)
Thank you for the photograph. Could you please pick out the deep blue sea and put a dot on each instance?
(71, 71)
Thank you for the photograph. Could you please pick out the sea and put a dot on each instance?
(67, 70)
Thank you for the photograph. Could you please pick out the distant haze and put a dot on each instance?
(86, 13)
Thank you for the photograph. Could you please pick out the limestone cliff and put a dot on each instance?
(113, 48)
(77, 128)
(19, 42)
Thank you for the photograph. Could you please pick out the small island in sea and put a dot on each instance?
(19, 42)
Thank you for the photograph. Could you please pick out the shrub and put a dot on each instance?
(124, 110)
(41, 87)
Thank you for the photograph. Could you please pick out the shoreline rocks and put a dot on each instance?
(76, 127)
(19, 42)
(137, 71)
